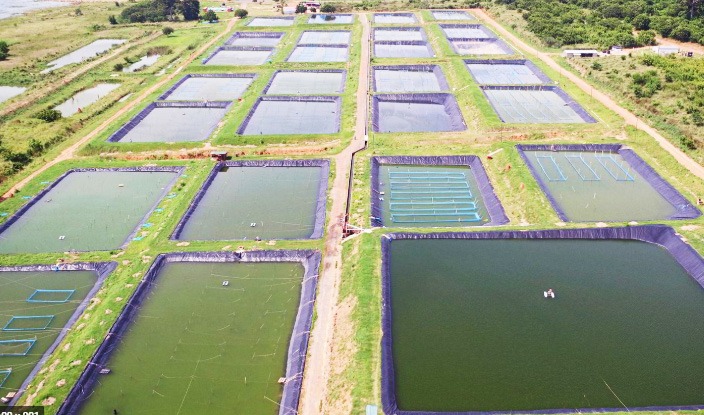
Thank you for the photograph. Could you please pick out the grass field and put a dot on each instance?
(355, 378)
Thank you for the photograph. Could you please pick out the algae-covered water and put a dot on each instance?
(251, 202)
(15, 289)
(472, 330)
(198, 347)
(87, 211)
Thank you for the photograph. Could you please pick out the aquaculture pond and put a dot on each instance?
(85, 211)
(473, 331)
(267, 200)
(598, 185)
(434, 196)
(85, 98)
(38, 306)
(204, 337)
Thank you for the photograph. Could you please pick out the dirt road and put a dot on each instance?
(630, 118)
(70, 152)
(318, 368)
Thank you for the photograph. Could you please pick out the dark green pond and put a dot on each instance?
(87, 211)
(430, 196)
(198, 347)
(472, 330)
(280, 201)
(15, 289)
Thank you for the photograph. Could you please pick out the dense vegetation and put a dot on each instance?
(605, 22)
(161, 10)
(4, 50)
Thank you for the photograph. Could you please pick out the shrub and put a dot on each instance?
(301, 8)
(48, 115)
(596, 66)
(167, 30)
(241, 13)
(118, 67)
(328, 8)
(4, 50)
(112, 19)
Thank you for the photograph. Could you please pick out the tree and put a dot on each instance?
(210, 16)
(328, 8)
(641, 22)
(48, 115)
(190, 9)
(4, 50)
(167, 30)
(241, 13)
(301, 8)
(112, 19)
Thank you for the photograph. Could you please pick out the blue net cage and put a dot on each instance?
(50, 296)
(16, 347)
(24, 323)
(4, 374)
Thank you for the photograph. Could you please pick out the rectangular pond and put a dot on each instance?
(269, 39)
(307, 82)
(209, 87)
(206, 332)
(451, 15)
(433, 191)
(408, 78)
(592, 182)
(324, 37)
(535, 105)
(399, 33)
(416, 113)
(40, 303)
(7, 92)
(481, 47)
(403, 49)
(467, 328)
(506, 72)
(84, 98)
(239, 56)
(319, 53)
(330, 19)
(395, 18)
(293, 115)
(267, 199)
(86, 52)
(87, 210)
(271, 21)
(171, 122)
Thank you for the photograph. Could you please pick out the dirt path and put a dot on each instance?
(70, 152)
(630, 118)
(318, 369)
(40, 93)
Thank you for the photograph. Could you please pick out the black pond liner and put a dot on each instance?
(291, 18)
(663, 236)
(321, 197)
(349, 32)
(38, 196)
(298, 345)
(435, 69)
(508, 50)
(524, 62)
(447, 100)
(574, 105)
(341, 71)
(497, 215)
(102, 269)
(288, 98)
(131, 124)
(170, 91)
(685, 210)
